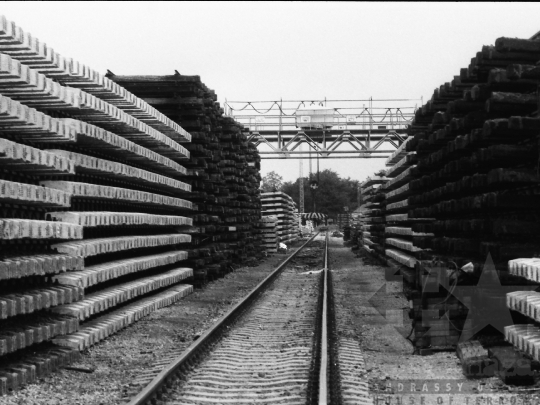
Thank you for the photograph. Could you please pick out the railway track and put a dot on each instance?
(277, 346)
(268, 349)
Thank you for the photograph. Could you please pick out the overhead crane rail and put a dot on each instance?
(341, 129)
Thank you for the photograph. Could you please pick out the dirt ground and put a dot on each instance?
(374, 312)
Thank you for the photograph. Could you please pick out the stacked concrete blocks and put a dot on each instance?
(269, 231)
(400, 237)
(282, 206)
(92, 207)
(373, 219)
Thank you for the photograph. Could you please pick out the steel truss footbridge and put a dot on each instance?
(331, 129)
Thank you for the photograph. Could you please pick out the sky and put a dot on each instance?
(288, 50)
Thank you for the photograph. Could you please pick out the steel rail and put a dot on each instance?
(323, 372)
(152, 389)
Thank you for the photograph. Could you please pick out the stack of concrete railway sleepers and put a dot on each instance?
(476, 143)
(524, 335)
(399, 236)
(92, 207)
(282, 206)
(374, 214)
(223, 170)
(295, 227)
(270, 237)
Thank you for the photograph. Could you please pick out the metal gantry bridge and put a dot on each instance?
(368, 128)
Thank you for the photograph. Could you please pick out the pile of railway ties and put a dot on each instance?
(118, 194)
(456, 215)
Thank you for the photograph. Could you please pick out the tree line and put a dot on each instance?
(331, 197)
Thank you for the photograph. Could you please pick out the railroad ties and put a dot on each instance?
(106, 208)
(269, 233)
(223, 171)
(401, 237)
(280, 206)
(372, 220)
(464, 190)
